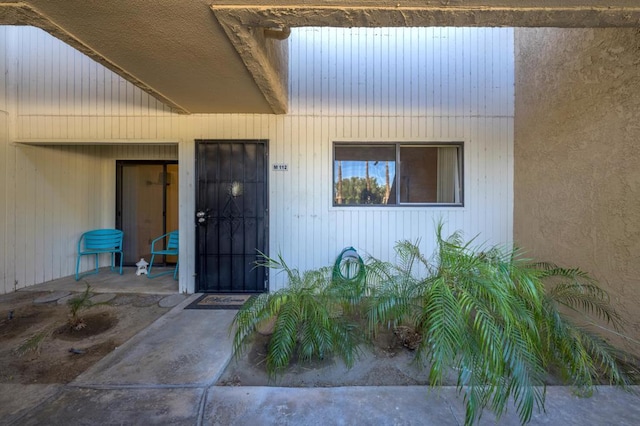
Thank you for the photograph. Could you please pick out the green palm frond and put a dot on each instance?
(307, 317)
(549, 269)
(283, 340)
(409, 254)
(253, 312)
(583, 358)
(442, 329)
(587, 299)
(605, 358)
(393, 303)
(33, 343)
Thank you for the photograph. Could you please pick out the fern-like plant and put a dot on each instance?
(34, 342)
(487, 315)
(500, 322)
(573, 305)
(307, 314)
(78, 304)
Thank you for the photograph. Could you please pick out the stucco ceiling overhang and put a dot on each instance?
(196, 56)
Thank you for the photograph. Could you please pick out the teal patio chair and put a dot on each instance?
(168, 249)
(97, 242)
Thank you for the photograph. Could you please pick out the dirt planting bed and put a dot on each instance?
(37, 345)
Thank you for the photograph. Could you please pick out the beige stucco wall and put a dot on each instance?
(577, 155)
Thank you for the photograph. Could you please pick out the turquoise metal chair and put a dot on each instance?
(97, 242)
(168, 249)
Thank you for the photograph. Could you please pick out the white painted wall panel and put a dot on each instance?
(56, 80)
(7, 159)
(405, 72)
(6, 247)
(62, 191)
(419, 84)
(4, 138)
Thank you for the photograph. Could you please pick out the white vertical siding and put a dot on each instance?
(402, 72)
(51, 194)
(7, 161)
(6, 225)
(418, 84)
(4, 138)
(62, 191)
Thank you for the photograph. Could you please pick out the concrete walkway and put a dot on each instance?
(167, 373)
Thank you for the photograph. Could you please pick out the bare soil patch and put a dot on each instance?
(386, 362)
(94, 325)
(63, 353)
(389, 360)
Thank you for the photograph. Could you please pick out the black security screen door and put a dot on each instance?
(231, 215)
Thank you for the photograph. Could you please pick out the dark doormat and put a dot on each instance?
(219, 301)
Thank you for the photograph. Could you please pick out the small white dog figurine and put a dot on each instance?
(142, 267)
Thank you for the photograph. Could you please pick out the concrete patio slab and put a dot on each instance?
(51, 297)
(172, 300)
(358, 405)
(403, 405)
(75, 406)
(17, 400)
(608, 406)
(110, 282)
(183, 347)
(65, 300)
(102, 298)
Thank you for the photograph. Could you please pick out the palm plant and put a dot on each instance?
(78, 304)
(486, 315)
(582, 357)
(307, 318)
(496, 319)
